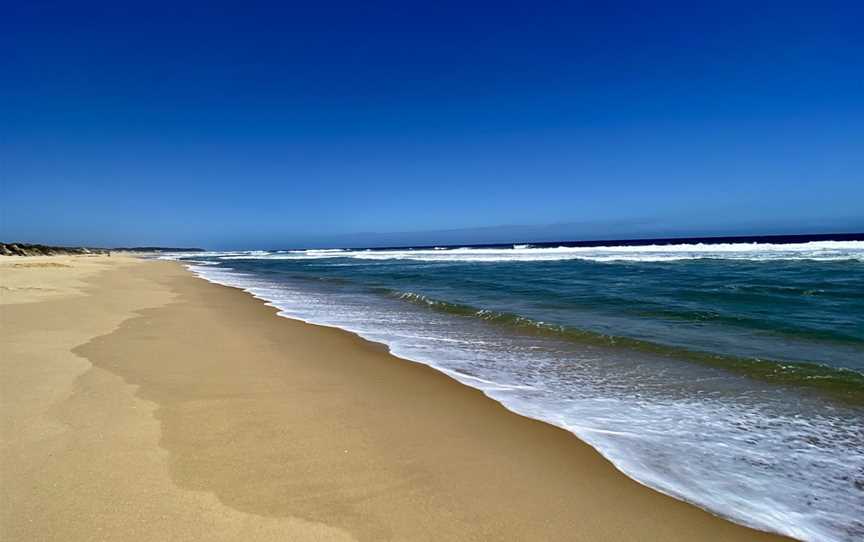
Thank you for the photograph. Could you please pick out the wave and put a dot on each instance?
(813, 250)
(844, 384)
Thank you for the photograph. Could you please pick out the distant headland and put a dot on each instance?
(27, 249)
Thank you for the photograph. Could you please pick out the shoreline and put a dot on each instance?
(300, 430)
(452, 376)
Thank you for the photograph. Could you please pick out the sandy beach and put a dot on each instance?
(142, 403)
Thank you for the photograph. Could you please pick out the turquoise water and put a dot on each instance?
(730, 376)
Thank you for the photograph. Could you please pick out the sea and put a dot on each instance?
(728, 373)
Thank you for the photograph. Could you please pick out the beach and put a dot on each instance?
(143, 403)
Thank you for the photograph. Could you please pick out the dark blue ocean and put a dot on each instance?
(727, 375)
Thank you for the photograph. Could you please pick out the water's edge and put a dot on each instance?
(467, 381)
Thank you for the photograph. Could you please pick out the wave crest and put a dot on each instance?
(844, 384)
(813, 250)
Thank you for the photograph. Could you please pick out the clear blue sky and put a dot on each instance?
(250, 124)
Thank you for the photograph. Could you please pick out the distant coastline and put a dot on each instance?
(28, 249)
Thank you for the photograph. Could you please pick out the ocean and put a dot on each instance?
(726, 374)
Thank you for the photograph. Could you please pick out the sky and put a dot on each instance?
(288, 124)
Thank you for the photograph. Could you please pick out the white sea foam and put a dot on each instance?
(736, 448)
(814, 250)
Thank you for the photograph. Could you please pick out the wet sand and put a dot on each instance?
(142, 403)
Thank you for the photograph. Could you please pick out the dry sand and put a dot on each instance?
(142, 403)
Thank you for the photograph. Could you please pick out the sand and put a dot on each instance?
(142, 403)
